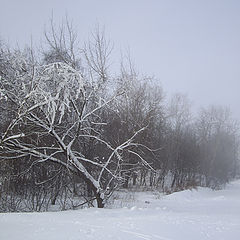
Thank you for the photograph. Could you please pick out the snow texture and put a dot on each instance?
(197, 214)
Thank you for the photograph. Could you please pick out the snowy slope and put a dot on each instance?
(193, 215)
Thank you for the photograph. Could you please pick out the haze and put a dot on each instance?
(189, 46)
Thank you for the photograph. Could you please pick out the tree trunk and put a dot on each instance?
(100, 203)
(97, 194)
(134, 178)
(126, 181)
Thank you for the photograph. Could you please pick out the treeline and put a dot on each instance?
(71, 132)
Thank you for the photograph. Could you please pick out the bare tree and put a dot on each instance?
(57, 111)
(62, 44)
(218, 143)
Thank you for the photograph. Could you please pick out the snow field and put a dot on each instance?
(194, 215)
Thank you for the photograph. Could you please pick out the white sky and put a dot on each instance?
(190, 46)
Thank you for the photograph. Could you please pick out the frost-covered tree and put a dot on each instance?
(56, 112)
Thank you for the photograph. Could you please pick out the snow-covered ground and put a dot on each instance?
(193, 215)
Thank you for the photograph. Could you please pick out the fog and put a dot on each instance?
(189, 46)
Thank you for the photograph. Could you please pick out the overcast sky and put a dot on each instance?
(190, 46)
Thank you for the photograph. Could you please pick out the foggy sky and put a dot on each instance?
(190, 46)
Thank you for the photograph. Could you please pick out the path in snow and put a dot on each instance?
(193, 215)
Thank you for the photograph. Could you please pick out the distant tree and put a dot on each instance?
(179, 121)
(218, 144)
